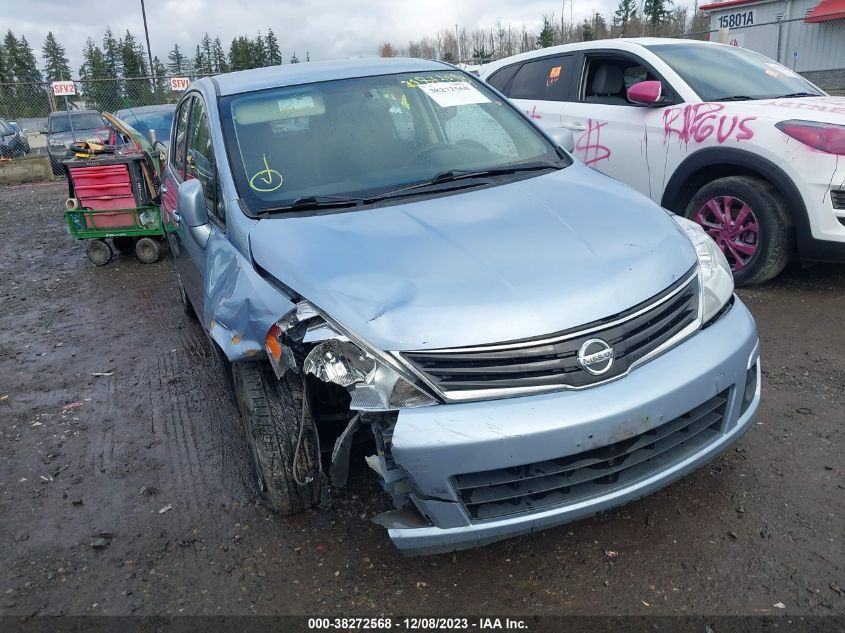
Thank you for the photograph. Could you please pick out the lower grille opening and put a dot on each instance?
(541, 485)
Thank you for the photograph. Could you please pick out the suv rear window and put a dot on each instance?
(85, 121)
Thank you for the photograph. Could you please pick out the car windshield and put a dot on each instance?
(85, 121)
(370, 135)
(154, 125)
(718, 73)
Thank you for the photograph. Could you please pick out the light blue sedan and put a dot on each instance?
(388, 250)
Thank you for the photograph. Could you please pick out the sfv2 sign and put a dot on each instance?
(64, 88)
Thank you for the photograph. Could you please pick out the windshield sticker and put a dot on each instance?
(773, 70)
(303, 105)
(453, 93)
(413, 82)
(267, 179)
(554, 75)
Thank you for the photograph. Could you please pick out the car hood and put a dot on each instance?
(489, 265)
(822, 109)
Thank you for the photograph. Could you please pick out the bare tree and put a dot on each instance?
(387, 50)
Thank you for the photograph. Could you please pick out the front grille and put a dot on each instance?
(546, 362)
(837, 196)
(541, 485)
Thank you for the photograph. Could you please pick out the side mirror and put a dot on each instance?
(43, 128)
(645, 92)
(563, 137)
(191, 204)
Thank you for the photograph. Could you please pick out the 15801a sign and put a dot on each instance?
(736, 20)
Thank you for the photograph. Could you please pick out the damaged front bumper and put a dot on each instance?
(484, 471)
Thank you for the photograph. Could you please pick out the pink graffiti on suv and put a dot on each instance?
(590, 143)
(697, 122)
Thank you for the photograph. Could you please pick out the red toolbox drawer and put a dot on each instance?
(103, 187)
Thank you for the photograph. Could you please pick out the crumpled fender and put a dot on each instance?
(240, 305)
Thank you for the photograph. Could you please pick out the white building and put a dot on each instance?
(806, 35)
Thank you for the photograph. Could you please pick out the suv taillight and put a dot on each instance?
(825, 137)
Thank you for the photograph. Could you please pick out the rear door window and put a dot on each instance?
(544, 79)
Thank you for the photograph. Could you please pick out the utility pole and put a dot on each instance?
(149, 52)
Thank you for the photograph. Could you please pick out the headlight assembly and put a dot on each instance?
(331, 355)
(717, 281)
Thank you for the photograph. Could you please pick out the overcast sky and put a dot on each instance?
(328, 29)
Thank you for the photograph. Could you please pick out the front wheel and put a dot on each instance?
(282, 437)
(746, 218)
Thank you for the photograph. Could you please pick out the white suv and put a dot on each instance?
(739, 143)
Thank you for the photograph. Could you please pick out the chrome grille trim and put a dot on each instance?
(467, 394)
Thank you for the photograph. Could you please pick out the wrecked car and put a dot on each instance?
(390, 250)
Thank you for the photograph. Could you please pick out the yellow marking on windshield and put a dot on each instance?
(267, 179)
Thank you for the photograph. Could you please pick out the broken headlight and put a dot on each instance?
(334, 357)
(717, 282)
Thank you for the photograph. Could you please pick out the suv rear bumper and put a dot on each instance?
(435, 444)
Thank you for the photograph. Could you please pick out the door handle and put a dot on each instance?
(575, 127)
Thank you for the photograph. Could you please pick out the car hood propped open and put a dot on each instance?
(489, 265)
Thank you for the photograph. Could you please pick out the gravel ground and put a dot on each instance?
(124, 487)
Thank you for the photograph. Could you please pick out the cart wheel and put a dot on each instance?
(124, 244)
(99, 252)
(147, 250)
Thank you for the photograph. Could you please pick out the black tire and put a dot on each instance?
(99, 252)
(147, 250)
(187, 306)
(772, 240)
(124, 245)
(270, 410)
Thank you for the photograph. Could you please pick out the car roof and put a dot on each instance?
(618, 43)
(312, 72)
(64, 113)
(163, 107)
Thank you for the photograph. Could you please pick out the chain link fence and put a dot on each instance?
(803, 50)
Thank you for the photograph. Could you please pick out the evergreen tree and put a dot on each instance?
(199, 63)
(112, 53)
(240, 54)
(259, 52)
(207, 48)
(177, 63)
(220, 63)
(294, 59)
(625, 12)
(586, 30)
(274, 53)
(135, 71)
(56, 63)
(547, 34)
(30, 97)
(99, 95)
(162, 86)
(656, 12)
(8, 51)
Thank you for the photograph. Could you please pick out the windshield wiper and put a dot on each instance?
(735, 98)
(316, 202)
(797, 94)
(453, 175)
